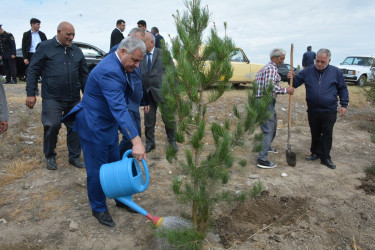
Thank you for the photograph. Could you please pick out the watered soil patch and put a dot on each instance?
(368, 184)
(255, 216)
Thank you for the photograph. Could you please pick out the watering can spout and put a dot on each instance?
(122, 179)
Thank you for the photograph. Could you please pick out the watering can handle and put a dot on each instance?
(145, 167)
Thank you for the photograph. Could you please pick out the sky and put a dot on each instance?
(345, 27)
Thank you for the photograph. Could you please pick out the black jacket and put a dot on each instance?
(7, 45)
(64, 71)
(323, 87)
(116, 37)
(26, 42)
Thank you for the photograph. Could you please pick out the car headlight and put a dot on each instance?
(351, 72)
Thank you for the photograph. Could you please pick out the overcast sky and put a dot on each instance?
(346, 27)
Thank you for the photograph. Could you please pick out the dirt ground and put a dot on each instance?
(313, 207)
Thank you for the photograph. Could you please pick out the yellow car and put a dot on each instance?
(244, 71)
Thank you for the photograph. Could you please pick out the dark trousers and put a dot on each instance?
(9, 65)
(150, 121)
(268, 128)
(321, 128)
(29, 56)
(126, 144)
(52, 113)
(95, 156)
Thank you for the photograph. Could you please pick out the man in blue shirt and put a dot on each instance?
(308, 58)
(323, 84)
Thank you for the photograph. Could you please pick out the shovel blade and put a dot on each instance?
(291, 158)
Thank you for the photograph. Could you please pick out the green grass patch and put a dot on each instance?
(371, 170)
(185, 239)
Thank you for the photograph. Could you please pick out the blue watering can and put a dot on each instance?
(122, 179)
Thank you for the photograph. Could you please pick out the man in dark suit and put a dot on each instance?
(158, 37)
(64, 72)
(153, 70)
(30, 40)
(117, 36)
(102, 112)
(8, 55)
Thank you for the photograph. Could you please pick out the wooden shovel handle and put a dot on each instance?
(290, 96)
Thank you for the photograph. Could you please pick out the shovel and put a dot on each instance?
(290, 156)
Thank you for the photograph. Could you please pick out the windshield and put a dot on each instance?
(360, 61)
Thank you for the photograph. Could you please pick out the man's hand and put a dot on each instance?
(138, 150)
(13, 56)
(26, 61)
(3, 126)
(341, 111)
(291, 74)
(290, 90)
(147, 109)
(30, 101)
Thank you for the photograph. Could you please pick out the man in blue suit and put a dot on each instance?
(102, 112)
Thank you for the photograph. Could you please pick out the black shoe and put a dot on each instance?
(328, 163)
(104, 218)
(312, 157)
(265, 164)
(122, 205)
(51, 163)
(149, 147)
(174, 145)
(76, 162)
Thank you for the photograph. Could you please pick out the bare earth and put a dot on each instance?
(313, 207)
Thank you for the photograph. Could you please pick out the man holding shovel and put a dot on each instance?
(266, 76)
(323, 84)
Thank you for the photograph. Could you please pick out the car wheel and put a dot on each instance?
(362, 80)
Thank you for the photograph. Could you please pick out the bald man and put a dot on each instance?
(64, 74)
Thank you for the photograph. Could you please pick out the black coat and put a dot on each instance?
(7, 45)
(26, 42)
(116, 37)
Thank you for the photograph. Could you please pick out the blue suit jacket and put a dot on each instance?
(103, 109)
(139, 96)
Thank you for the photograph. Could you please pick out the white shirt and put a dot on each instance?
(35, 39)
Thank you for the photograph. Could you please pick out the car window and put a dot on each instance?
(89, 52)
(361, 61)
(237, 57)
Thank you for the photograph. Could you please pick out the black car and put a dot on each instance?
(92, 54)
(283, 71)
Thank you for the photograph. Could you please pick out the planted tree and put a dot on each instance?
(187, 90)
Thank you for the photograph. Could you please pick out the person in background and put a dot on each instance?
(102, 112)
(158, 37)
(30, 40)
(116, 35)
(152, 74)
(308, 58)
(323, 84)
(142, 24)
(266, 76)
(8, 55)
(64, 74)
(4, 114)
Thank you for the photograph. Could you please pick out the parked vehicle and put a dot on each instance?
(358, 69)
(92, 54)
(244, 71)
(283, 71)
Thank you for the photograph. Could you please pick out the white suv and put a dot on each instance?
(358, 69)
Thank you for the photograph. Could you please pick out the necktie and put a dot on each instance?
(148, 61)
